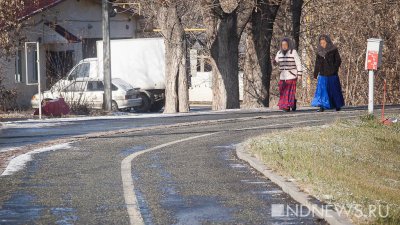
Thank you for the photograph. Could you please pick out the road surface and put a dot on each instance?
(191, 181)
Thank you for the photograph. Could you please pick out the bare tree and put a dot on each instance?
(225, 21)
(296, 8)
(10, 25)
(168, 15)
(258, 68)
(350, 32)
(10, 28)
(176, 92)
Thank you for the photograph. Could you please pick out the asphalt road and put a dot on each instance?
(31, 132)
(192, 182)
(22, 133)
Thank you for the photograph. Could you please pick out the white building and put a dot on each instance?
(200, 90)
(67, 31)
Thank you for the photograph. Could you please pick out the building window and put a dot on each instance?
(18, 66)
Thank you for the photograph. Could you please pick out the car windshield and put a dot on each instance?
(122, 84)
(82, 70)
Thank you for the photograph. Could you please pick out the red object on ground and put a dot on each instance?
(384, 101)
(385, 121)
(57, 107)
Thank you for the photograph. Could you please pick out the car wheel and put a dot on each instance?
(146, 104)
(157, 106)
(114, 106)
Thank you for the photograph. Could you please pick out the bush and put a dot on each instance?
(7, 97)
(80, 108)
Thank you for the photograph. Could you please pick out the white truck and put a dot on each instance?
(140, 62)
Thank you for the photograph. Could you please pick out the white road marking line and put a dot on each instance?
(267, 192)
(254, 182)
(127, 180)
(237, 166)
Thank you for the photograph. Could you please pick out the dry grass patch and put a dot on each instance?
(347, 163)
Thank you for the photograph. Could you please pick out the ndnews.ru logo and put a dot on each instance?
(372, 211)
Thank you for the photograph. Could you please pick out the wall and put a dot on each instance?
(200, 90)
(83, 19)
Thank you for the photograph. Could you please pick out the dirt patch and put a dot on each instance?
(16, 115)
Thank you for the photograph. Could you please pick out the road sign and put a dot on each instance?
(372, 62)
(374, 54)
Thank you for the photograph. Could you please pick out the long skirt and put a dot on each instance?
(329, 93)
(287, 93)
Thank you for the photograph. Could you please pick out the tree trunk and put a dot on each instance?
(255, 93)
(183, 93)
(176, 88)
(224, 23)
(225, 60)
(297, 7)
(258, 68)
(171, 76)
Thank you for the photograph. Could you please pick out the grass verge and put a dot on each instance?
(351, 164)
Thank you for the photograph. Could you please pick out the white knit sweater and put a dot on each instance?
(289, 65)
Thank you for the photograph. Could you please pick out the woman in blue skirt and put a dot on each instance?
(328, 94)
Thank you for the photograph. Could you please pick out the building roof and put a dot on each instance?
(63, 32)
(33, 7)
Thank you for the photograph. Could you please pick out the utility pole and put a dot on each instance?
(107, 97)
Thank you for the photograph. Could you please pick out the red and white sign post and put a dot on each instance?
(372, 62)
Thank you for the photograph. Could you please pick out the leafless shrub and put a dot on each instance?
(79, 108)
(7, 97)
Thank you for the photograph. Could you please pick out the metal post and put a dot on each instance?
(384, 101)
(39, 86)
(106, 57)
(371, 93)
(38, 72)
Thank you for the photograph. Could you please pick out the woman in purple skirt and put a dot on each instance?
(328, 94)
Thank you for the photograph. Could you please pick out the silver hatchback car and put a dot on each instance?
(90, 91)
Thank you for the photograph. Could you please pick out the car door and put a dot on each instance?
(95, 90)
(74, 93)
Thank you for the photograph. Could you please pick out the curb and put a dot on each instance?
(329, 215)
